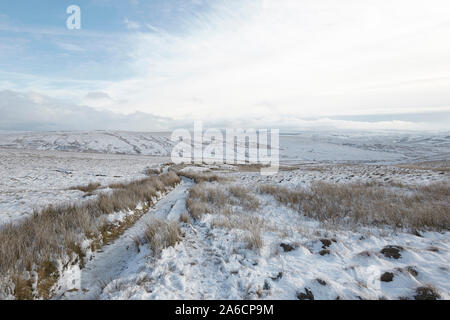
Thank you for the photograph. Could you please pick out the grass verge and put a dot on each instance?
(415, 208)
(34, 251)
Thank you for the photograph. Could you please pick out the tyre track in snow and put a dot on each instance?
(108, 264)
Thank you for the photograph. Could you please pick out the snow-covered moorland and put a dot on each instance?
(347, 217)
(240, 243)
(31, 179)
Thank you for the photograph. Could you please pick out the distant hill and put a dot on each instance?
(296, 147)
(115, 142)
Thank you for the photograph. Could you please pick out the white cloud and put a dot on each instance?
(35, 112)
(131, 25)
(30, 111)
(264, 63)
(71, 47)
(304, 58)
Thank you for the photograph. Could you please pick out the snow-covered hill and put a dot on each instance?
(114, 142)
(298, 147)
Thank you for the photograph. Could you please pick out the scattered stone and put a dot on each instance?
(324, 252)
(325, 243)
(307, 295)
(413, 271)
(266, 285)
(278, 277)
(387, 277)
(287, 247)
(321, 282)
(364, 253)
(392, 252)
(433, 249)
(426, 293)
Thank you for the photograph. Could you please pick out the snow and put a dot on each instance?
(360, 146)
(113, 142)
(209, 265)
(302, 146)
(213, 262)
(31, 179)
(305, 174)
(118, 257)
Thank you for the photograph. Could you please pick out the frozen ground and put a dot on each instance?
(299, 258)
(353, 146)
(31, 178)
(305, 174)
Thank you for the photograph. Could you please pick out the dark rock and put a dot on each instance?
(278, 277)
(426, 293)
(364, 253)
(392, 252)
(287, 247)
(387, 277)
(321, 282)
(307, 295)
(324, 252)
(325, 243)
(413, 271)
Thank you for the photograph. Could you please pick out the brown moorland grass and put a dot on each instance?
(233, 206)
(54, 234)
(439, 166)
(246, 199)
(91, 187)
(152, 171)
(205, 197)
(413, 207)
(161, 234)
(253, 239)
(200, 177)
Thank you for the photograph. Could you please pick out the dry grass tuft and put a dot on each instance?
(415, 208)
(201, 177)
(91, 187)
(254, 239)
(246, 199)
(185, 218)
(204, 199)
(211, 198)
(438, 166)
(238, 221)
(152, 171)
(161, 234)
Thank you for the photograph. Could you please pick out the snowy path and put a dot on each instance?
(115, 258)
(199, 267)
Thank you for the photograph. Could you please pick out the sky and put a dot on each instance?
(153, 65)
